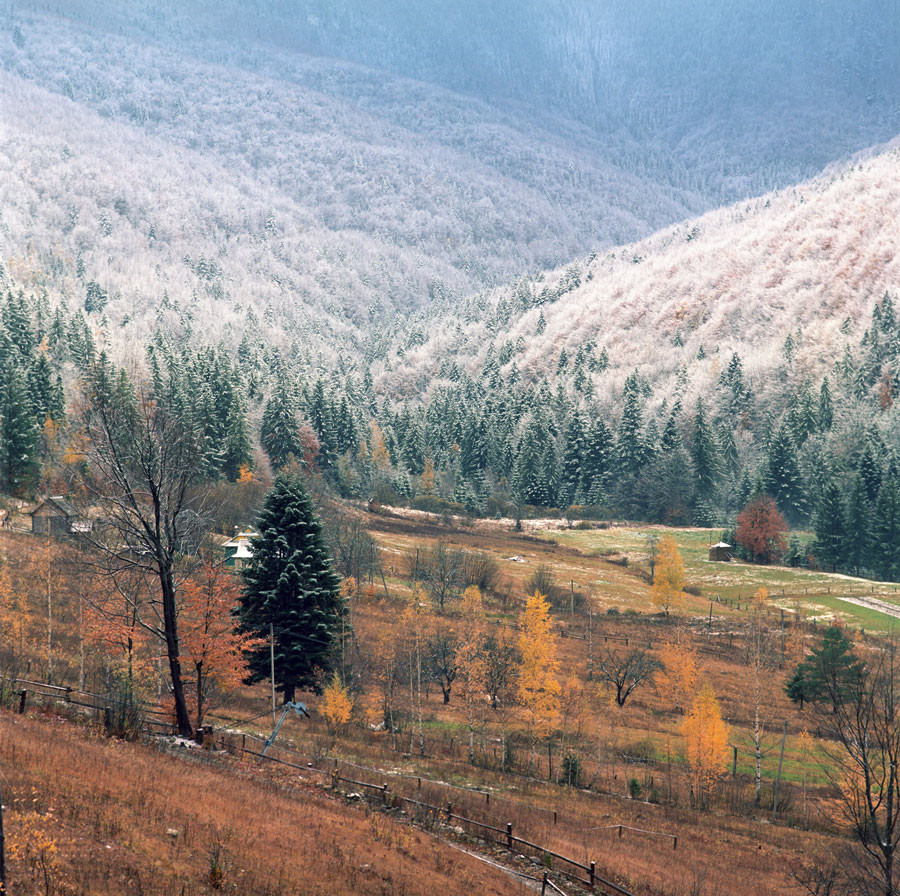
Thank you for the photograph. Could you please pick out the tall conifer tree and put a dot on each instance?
(291, 586)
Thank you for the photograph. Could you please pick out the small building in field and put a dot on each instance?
(57, 518)
(238, 551)
(720, 552)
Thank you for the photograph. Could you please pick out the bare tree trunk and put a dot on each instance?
(170, 624)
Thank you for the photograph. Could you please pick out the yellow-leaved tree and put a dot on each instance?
(681, 670)
(705, 745)
(668, 576)
(337, 706)
(538, 685)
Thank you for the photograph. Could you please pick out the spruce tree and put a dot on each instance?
(573, 458)
(831, 527)
(598, 463)
(18, 434)
(782, 475)
(629, 444)
(279, 432)
(870, 470)
(290, 585)
(671, 437)
(826, 407)
(238, 449)
(859, 514)
(705, 455)
(885, 544)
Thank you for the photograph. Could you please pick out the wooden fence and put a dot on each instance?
(503, 836)
(154, 720)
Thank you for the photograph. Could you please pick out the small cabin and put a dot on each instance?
(57, 518)
(239, 551)
(720, 552)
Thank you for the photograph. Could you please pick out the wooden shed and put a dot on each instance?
(56, 517)
(720, 552)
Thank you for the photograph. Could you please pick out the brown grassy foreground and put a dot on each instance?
(91, 815)
(732, 847)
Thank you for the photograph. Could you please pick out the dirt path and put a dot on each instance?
(873, 603)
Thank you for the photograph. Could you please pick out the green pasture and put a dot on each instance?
(816, 592)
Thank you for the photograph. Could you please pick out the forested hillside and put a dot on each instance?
(318, 262)
(320, 193)
(755, 350)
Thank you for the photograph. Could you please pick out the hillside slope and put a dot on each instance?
(310, 188)
(810, 261)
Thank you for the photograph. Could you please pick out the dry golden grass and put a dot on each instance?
(127, 818)
(732, 850)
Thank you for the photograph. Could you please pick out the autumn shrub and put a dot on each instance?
(481, 570)
(123, 716)
(543, 581)
(639, 751)
(571, 771)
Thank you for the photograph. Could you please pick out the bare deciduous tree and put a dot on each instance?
(440, 660)
(143, 467)
(865, 726)
(627, 671)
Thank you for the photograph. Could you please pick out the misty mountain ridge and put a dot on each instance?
(805, 265)
(236, 156)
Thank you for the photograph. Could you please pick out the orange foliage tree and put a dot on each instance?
(681, 670)
(214, 648)
(539, 687)
(668, 575)
(705, 745)
(113, 624)
(761, 530)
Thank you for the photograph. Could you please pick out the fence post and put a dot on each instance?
(487, 799)
(554, 816)
(544, 885)
(593, 874)
(620, 832)
(449, 810)
(674, 843)
(509, 837)
(384, 793)
(22, 698)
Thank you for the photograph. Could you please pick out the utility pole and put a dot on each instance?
(572, 606)
(272, 666)
(2, 849)
(590, 640)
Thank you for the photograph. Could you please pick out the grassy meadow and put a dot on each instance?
(111, 818)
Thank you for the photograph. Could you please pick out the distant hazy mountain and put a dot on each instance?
(790, 277)
(278, 155)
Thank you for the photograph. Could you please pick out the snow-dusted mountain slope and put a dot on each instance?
(321, 192)
(808, 262)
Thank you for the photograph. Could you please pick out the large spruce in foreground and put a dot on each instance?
(290, 585)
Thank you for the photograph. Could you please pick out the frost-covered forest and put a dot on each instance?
(491, 275)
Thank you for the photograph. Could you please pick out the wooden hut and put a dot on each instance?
(57, 518)
(720, 552)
